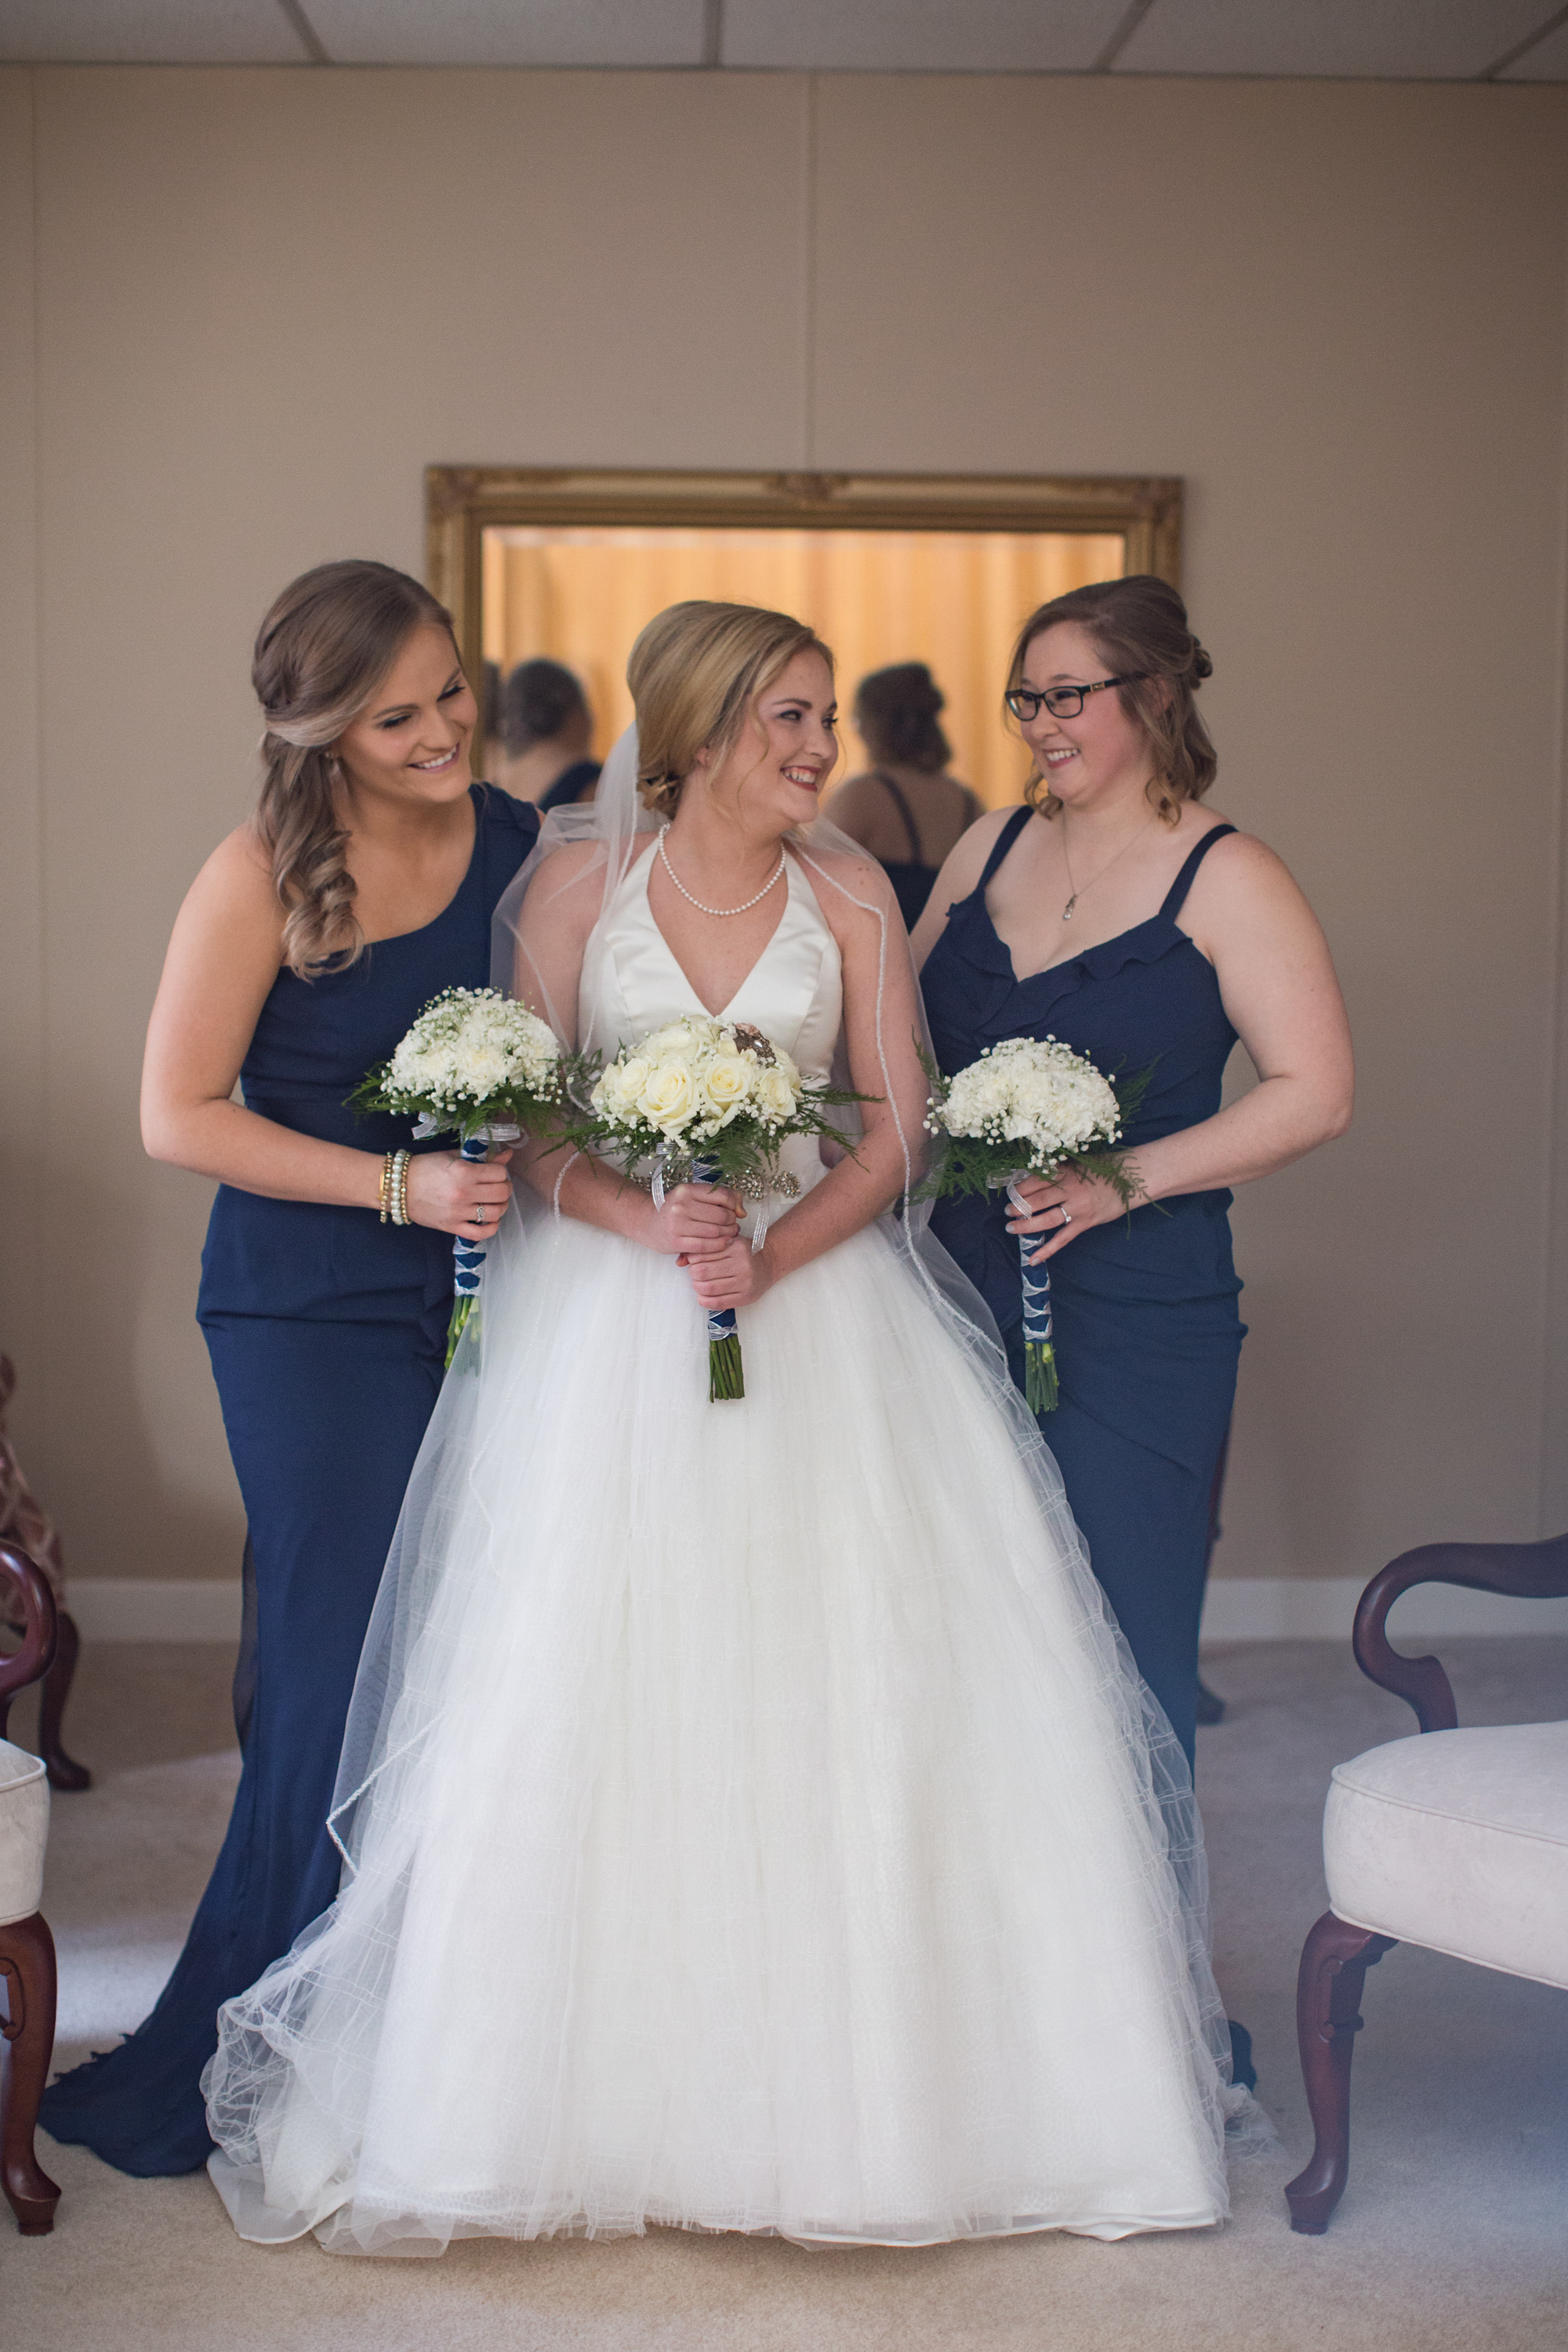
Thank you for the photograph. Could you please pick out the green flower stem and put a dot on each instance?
(726, 1380)
(464, 1312)
(1040, 1390)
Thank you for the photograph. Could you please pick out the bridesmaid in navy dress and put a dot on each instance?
(312, 936)
(1116, 914)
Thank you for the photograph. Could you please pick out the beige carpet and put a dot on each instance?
(1452, 2234)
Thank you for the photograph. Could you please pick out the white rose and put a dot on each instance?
(628, 1079)
(774, 1093)
(726, 1082)
(676, 1037)
(669, 1097)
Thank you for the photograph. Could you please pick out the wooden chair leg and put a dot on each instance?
(63, 1771)
(27, 1966)
(1334, 1962)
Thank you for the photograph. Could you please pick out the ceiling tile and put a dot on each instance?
(510, 32)
(1400, 39)
(147, 32)
(1547, 62)
(920, 35)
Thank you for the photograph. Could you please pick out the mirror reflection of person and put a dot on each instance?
(905, 808)
(491, 748)
(548, 731)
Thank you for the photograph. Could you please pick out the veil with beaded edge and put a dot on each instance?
(540, 932)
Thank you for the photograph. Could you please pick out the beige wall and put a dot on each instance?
(252, 306)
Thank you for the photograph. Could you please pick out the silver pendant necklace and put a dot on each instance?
(1135, 834)
(762, 894)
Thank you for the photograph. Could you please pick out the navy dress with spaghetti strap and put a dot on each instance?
(327, 1333)
(912, 879)
(1147, 1328)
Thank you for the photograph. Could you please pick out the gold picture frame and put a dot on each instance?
(462, 501)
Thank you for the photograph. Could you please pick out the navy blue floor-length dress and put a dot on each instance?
(327, 1331)
(1147, 1329)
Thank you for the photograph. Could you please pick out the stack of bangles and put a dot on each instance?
(395, 1189)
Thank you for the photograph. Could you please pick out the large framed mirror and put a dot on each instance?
(569, 564)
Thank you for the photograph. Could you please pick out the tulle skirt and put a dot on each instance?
(755, 1822)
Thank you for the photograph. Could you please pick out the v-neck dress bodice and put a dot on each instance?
(1147, 1329)
(632, 984)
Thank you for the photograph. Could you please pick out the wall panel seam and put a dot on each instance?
(40, 1075)
(1554, 1270)
(808, 451)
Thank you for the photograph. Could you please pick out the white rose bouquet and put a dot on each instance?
(480, 1065)
(1031, 1106)
(709, 1102)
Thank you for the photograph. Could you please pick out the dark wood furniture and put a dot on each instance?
(25, 1524)
(1337, 1956)
(27, 1946)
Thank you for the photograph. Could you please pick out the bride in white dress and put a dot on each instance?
(753, 1820)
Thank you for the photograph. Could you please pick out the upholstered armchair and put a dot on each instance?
(1455, 1840)
(26, 1948)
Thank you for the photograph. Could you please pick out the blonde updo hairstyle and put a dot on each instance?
(1139, 624)
(695, 673)
(320, 654)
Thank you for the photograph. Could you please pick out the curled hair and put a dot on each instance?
(895, 709)
(537, 700)
(321, 654)
(695, 672)
(1139, 624)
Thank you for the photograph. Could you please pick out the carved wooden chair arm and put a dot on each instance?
(1530, 1572)
(31, 1661)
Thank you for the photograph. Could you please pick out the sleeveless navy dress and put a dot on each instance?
(327, 1332)
(1147, 1328)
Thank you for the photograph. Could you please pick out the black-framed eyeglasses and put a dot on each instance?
(1064, 701)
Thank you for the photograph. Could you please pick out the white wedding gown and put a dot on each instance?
(764, 1834)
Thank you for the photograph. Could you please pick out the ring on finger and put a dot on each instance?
(1066, 1217)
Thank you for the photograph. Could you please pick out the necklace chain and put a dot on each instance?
(1136, 835)
(701, 909)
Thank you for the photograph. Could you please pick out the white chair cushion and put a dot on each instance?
(1458, 1840)
(24, 1832)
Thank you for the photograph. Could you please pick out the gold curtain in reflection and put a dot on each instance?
(951, 599)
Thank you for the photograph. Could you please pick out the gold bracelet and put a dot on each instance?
(386, 1197)
(400, 1188)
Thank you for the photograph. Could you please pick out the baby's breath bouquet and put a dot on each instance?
(709, 1102)
(1031, 1106)
(477, 1065)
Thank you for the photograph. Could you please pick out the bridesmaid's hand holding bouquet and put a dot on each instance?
(477, 1065)
(1031, 1106)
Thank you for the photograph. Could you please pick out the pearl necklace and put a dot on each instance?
(701, 909)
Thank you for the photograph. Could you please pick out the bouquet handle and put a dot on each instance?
(468, 1260)
(1040, 1389)
(468, 1257)
(726, 1374)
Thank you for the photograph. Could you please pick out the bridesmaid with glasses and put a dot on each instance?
(1117, 913)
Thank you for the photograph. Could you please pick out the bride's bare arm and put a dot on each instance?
(881, 1021)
